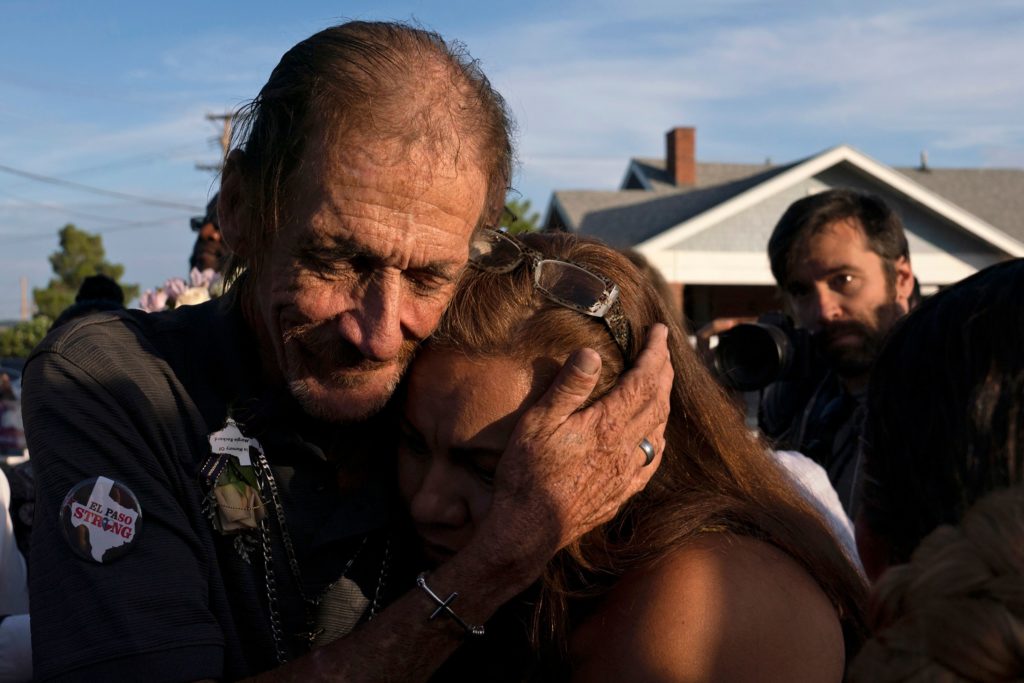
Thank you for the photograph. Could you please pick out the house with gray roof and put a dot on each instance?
(705, 226)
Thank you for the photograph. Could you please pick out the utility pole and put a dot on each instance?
(225, 140)
(25, 312)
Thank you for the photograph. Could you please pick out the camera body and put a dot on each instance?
(751, 356)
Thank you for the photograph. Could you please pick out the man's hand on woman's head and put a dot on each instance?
(568, 470)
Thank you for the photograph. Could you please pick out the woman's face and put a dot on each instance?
(459, 416)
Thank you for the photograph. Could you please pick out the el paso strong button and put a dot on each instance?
(101, 519)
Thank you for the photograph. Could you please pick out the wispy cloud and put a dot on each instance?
(946, 73)
(178, 138)
(222, 60)
(182, 127)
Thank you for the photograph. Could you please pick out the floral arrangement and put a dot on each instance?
(201, 286)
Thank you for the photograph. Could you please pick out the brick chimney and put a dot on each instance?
(680, 156)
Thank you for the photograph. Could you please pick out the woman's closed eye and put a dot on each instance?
(482, 463)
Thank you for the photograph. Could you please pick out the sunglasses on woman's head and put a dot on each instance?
(567, 284)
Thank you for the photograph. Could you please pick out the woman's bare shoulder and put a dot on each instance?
(723, 608)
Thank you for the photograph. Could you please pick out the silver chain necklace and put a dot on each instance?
(266, 478)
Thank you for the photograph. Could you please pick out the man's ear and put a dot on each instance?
(232, 206)
(904, 283)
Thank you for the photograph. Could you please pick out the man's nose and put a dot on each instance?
(826, 306)
(374, 326)
(437, 501)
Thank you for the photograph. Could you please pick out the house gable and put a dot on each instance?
(727, 244)
(628, 217)
(927, 232)
(715, 230)
(637, 178)
(897, 184)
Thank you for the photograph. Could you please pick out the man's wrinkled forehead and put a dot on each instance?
(334, 154)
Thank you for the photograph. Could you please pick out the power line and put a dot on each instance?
(124, 162)
(96, 190)
(134, 160)
(60, 208)
(66, 88)
(19, 239)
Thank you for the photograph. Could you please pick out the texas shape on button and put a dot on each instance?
(101, 519)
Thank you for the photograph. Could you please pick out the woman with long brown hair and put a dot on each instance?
(718, 570)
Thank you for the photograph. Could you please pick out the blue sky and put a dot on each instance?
(114, 95)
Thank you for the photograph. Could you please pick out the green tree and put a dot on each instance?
(81, 254)
(518, 217)
(19, 340)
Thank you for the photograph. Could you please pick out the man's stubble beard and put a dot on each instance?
(304, 395)
(338, 366)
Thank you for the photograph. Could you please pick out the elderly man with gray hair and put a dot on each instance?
(213, 486)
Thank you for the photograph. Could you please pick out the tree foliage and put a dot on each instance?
(81, 254)
(518, 217)
(19, 340)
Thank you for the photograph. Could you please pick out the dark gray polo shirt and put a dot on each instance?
(132, 397)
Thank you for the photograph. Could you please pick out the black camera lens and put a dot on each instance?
(752, 356)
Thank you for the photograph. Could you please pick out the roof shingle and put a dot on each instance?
(628, 217)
